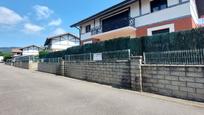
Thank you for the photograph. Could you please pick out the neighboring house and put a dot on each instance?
(136, 18)
(31, 50)
(61, 42)
(16, 52)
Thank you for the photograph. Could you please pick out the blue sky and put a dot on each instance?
(26, 22)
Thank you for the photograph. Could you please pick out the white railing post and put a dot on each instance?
(144, 55)
(129, 54)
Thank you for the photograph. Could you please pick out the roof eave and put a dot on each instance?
(117, 6)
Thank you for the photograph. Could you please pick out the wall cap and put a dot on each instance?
(136, 57)
(167, 65)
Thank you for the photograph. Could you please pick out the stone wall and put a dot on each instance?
(115, 73)
(53, 68)
(136, 76)
(185, 82)
(26, 65)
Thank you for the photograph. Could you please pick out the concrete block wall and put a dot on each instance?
(24, 65)
(76, 70)
(112, 73)
(53, 68)
(115, 73)
(33, 66)
(136, 76)
(186, 82)
(27, 65)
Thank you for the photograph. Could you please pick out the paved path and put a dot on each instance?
(23, 92)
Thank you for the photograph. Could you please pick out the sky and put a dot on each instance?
(28, 22)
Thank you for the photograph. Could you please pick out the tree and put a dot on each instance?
(1, 53)
(43, 53)
(7, 56)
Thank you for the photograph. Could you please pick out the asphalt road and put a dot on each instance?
(23, 92)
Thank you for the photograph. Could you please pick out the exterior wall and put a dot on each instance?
(136, 73)
(85, 35)
(30, 51)
(61, 45)
(111, 73)
(181, 24)
(26, 65)
(181, 81)
(164, 15)
(53, 68)
(185, 82)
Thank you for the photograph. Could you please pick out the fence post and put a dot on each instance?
(144, 55)
(90, 56)
(129, 54)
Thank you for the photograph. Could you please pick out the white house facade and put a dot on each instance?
(61, 42)
(136, 18)
(31, 50)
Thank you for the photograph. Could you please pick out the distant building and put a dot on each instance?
(1, 59)
(31, 50)
(61, 42)
(16, 52)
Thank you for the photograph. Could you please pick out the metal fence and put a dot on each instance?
(184, 57)
(103, 56)
(51, 60)
(26, 59)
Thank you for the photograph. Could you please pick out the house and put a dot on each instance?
(61, 42)
(31, 50)
(16, 52)
(1, 59)
(136, 18)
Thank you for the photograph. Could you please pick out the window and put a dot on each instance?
(157, 5)
(117, 21)
(167, 30)
(161, 29)
(88, 28)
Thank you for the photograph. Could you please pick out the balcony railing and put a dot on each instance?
(114, 25)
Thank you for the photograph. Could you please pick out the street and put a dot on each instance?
(24, 92)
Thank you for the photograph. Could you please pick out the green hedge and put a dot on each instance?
(192, 39)
(110, 45)
(185, 40)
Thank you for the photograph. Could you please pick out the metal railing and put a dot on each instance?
(51, 60)
(114, 25)
(101, 56)
(26, 59)
(184, 57)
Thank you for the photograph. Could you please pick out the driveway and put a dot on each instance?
(24, 92)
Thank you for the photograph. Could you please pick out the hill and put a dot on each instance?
(6, 49)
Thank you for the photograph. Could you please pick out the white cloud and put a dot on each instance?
(55, 22)
(32, 28)
(59, 31)
(42, 11)
(9, 17)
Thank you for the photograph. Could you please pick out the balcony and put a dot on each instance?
(114, 25)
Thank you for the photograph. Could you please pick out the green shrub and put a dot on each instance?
(191, 39)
